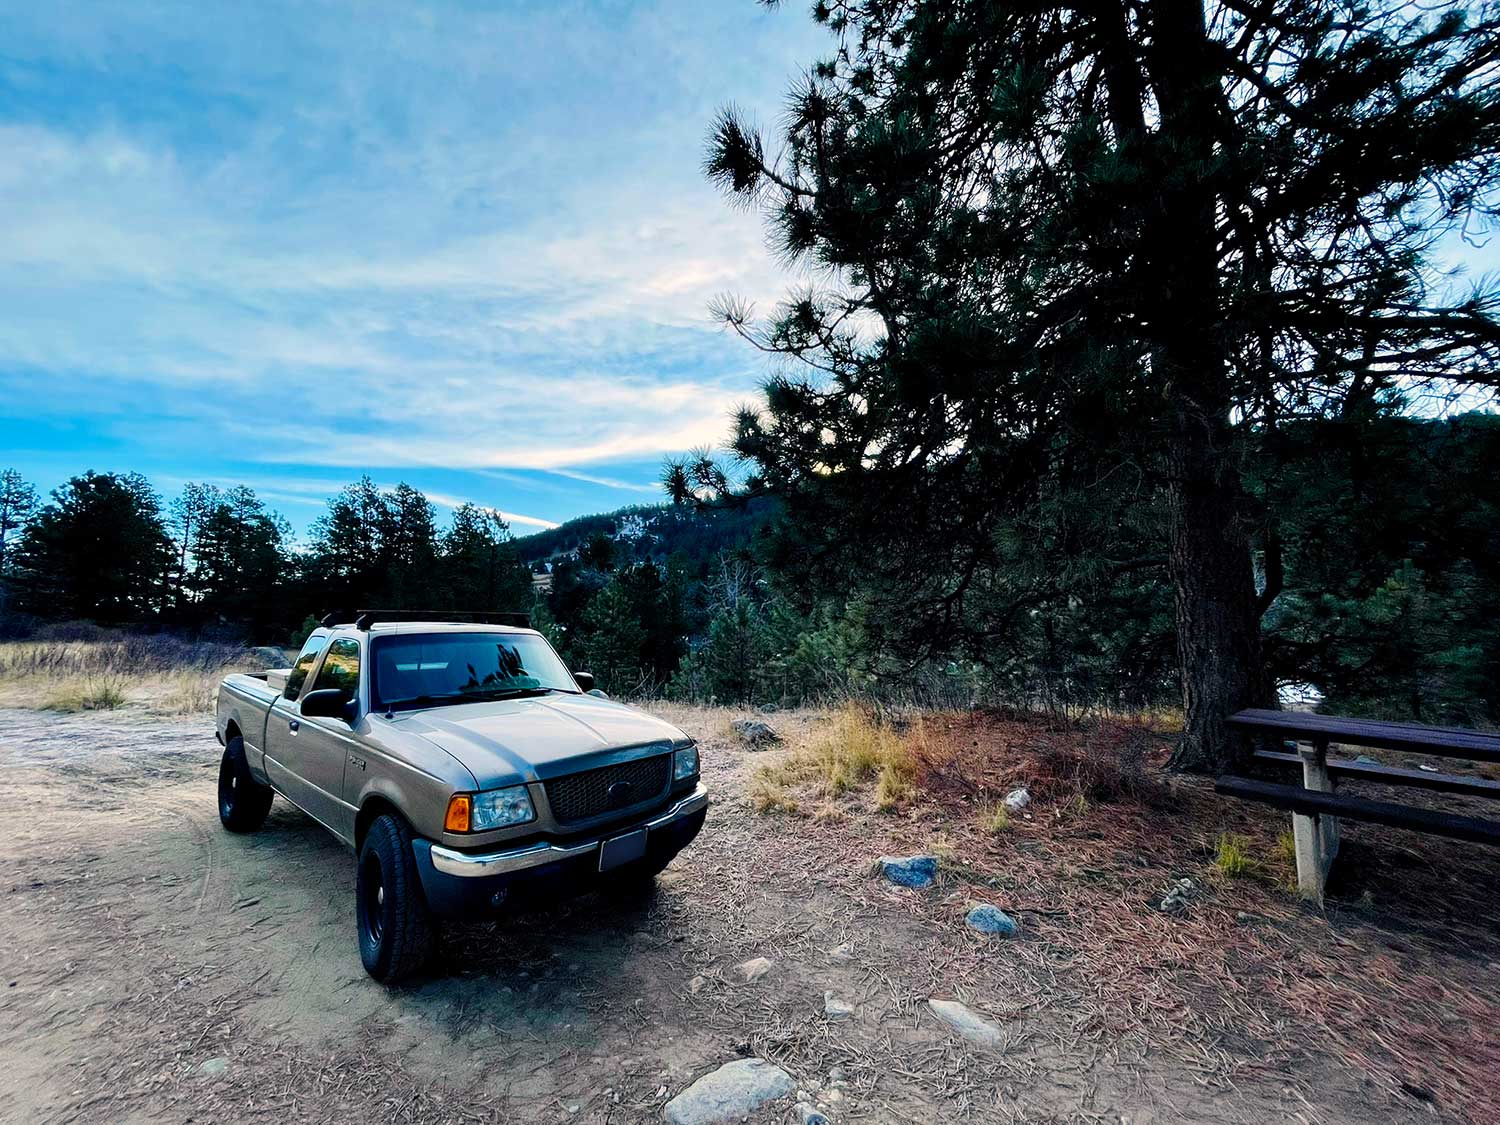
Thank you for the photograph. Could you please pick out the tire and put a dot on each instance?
(243, 802)
(395, 927)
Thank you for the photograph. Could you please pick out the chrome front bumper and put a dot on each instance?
(476, 865)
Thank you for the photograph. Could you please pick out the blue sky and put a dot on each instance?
(465, 245)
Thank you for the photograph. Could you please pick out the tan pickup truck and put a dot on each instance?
(465, 765)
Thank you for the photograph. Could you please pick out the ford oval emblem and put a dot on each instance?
(619, 794)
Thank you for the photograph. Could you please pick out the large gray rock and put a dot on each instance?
(733, 1091)
(968, 1023)
(757, 734)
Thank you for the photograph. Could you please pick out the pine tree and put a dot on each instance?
(1058, 248)
(98, 551)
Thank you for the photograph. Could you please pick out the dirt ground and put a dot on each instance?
(155, 968)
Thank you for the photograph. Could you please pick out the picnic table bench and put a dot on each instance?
(1315, 805)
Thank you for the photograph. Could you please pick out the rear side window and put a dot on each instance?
(305, 660)
(340, 668)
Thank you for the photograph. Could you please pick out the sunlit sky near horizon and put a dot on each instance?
(464, 245)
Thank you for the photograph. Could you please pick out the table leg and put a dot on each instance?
(1317, 837)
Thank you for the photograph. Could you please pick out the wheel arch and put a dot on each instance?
(374, 806)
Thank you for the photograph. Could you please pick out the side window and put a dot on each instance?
(340, 668)
(305, 660)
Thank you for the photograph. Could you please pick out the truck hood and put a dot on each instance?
(511, 741)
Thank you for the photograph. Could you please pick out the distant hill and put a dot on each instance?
(653, 531)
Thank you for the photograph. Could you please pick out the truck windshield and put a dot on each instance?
(430, 669)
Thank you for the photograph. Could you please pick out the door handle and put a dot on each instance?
(293, 725)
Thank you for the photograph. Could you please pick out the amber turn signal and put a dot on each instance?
(457, 819)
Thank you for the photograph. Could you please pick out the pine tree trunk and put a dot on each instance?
(1218, 618)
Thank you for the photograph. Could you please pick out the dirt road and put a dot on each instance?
(158, 968)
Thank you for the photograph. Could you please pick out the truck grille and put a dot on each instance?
(594, 793)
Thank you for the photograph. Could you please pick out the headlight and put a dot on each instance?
(685, 763)
(501, 808)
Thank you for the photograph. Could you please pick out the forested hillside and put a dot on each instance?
(1381, 574)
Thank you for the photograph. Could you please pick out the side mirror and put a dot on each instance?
(585, 680)
(329, 703)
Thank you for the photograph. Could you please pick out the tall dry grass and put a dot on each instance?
(163, 674)
(853, 750)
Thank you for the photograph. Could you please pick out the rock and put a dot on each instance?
(909, 871)
(753, 969)
(733, 1091)
(809, 1114)
(1178, 897)
(1017, 799)
(962, 1019)
(1365, 759)
(697, 984)
(988, 919)
(835, 1008)
(756, 734)
(836, 1076)
(214, 1068)
(841, 953)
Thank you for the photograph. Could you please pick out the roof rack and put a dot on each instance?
(364, 618)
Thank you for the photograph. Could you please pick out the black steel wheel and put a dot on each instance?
(244, 802)
(395, 926)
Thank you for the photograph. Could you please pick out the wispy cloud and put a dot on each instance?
(388, 235)
(451, 502)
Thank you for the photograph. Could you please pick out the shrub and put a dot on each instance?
(103, 693)
(1233, 859)
(853, 750)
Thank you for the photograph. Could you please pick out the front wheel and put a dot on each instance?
(244, 802)
(395, 927)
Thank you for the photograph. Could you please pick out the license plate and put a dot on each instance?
(622, 849)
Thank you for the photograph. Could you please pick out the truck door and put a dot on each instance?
(277, 741)
(317, 747)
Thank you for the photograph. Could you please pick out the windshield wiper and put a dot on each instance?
(467, 697)
(507, 693)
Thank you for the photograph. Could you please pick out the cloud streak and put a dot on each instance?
(383, 236)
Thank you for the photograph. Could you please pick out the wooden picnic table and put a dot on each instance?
(1315, 806)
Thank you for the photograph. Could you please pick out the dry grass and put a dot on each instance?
(994, 818)
(854, 749)
(86, 693)
(163, 674)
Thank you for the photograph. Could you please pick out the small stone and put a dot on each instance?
(1178, 897)
(841, 953)
(697, 984)
(756, 734)
(988, 919)
(753, 969)
(730, 1093)
(1017, 799)
(836, 1076)
(835, 1008)
(1366, 760)
(214, 1068)
(809, 1114)
(909, 871)
(968, 1023)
